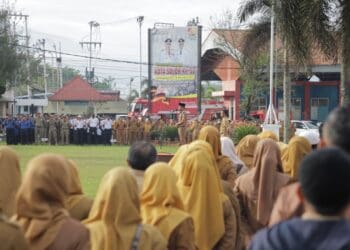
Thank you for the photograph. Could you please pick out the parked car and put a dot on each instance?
(301, 126)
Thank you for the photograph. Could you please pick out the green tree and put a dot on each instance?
(10, 57)
(68, 73)
(253, 74)
(295, 31)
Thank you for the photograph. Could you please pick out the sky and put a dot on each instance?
(66, 21)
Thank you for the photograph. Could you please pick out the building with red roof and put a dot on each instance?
(77, 96)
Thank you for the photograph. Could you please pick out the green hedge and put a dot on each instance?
(243, 130)
(168, 132)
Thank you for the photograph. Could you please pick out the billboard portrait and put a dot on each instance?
(174, 60)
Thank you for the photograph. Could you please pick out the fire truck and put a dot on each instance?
(167, 106)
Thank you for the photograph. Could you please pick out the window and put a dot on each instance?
(319, 108)
(25, 108)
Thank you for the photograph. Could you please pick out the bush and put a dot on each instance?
(170, 132)
(155, 134)
(242, 130)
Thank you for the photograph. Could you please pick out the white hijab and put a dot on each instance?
(228, 149)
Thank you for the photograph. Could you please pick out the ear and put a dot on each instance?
(300, 194)
(322, 144)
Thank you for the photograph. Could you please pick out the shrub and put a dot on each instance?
(243, 129)
(170, 132)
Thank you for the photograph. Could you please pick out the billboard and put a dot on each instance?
(173, 59)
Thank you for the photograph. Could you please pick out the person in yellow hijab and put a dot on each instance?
(114, 220)
(40, 207)
(162, 207)
(268, 135)
(77, 204)
(200, 190)
(176, 161)
(271, 135)
(10, 180)
(11, 236)
(298, 148)
(245, 149)
(226, 167)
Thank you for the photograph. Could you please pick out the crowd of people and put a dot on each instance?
(260, 194)
(94, 130)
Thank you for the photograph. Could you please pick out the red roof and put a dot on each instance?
(78, 89)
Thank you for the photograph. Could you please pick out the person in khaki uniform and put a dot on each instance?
(225, 124)
(114, 130)
(127, 131)
(147, 130)
(52, 131)
(132, 130)
(39, 127)
(64, 130)
(195, 128)
(140, 127)
(181, 124)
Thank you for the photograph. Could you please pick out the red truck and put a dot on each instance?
(162, 105)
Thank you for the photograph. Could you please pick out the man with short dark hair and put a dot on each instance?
(141, 155)
(337, 129)
(325, 191)
(181, 123)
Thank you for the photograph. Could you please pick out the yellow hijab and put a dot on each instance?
(245, 149)
(268, 135)
(115, 213)
(40, 199)
(199, 189)
(75, 193)
(161, 204)
(298, 148)
(10, 180)
(177, 161)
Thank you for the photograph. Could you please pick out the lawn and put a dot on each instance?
(93, 161)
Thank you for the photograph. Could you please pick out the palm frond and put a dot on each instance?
(252, 7)
(257, 39)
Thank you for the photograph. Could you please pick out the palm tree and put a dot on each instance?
(293, 29)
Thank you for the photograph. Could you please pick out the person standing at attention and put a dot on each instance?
(181, 124)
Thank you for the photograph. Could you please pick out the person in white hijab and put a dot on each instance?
(228, 149)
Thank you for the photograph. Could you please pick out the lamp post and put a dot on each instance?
(140, 21)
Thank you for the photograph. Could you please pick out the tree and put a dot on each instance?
(69, 73)
(253, 74)
(292, 28)
(10, 57)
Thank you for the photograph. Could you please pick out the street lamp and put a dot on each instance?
(140, 21)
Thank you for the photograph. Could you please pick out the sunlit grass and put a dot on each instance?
(93, 161)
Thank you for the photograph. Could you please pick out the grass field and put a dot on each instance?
(93, 161)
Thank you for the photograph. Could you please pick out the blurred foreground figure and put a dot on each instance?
(162, 207)
(325, 191)
(115, 222)
(40, 207)
(11, 236)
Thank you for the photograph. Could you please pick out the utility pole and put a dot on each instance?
(131, 80)
(90, 70)
(59, 62)
(140, 21)
(42, 43)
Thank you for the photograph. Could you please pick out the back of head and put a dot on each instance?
(117, 199)
(159, 194)
(141, 155)
(324, 176)
(268, 134)
(10, 180)
(245, 149)
(211, 135)
(115, 213)
(199, 188)
(337, 129)
(45, 184)
(267, 155)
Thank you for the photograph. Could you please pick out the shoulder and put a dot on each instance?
(281, 236)
(152, 233)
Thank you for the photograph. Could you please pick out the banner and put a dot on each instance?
(174, 60)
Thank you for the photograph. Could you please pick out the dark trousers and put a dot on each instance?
(80, 136)
(93, 135)
(10, 136)
(107, 136)
(24, 135)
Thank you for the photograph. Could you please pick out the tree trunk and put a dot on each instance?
(286, 95)
(345, 73)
